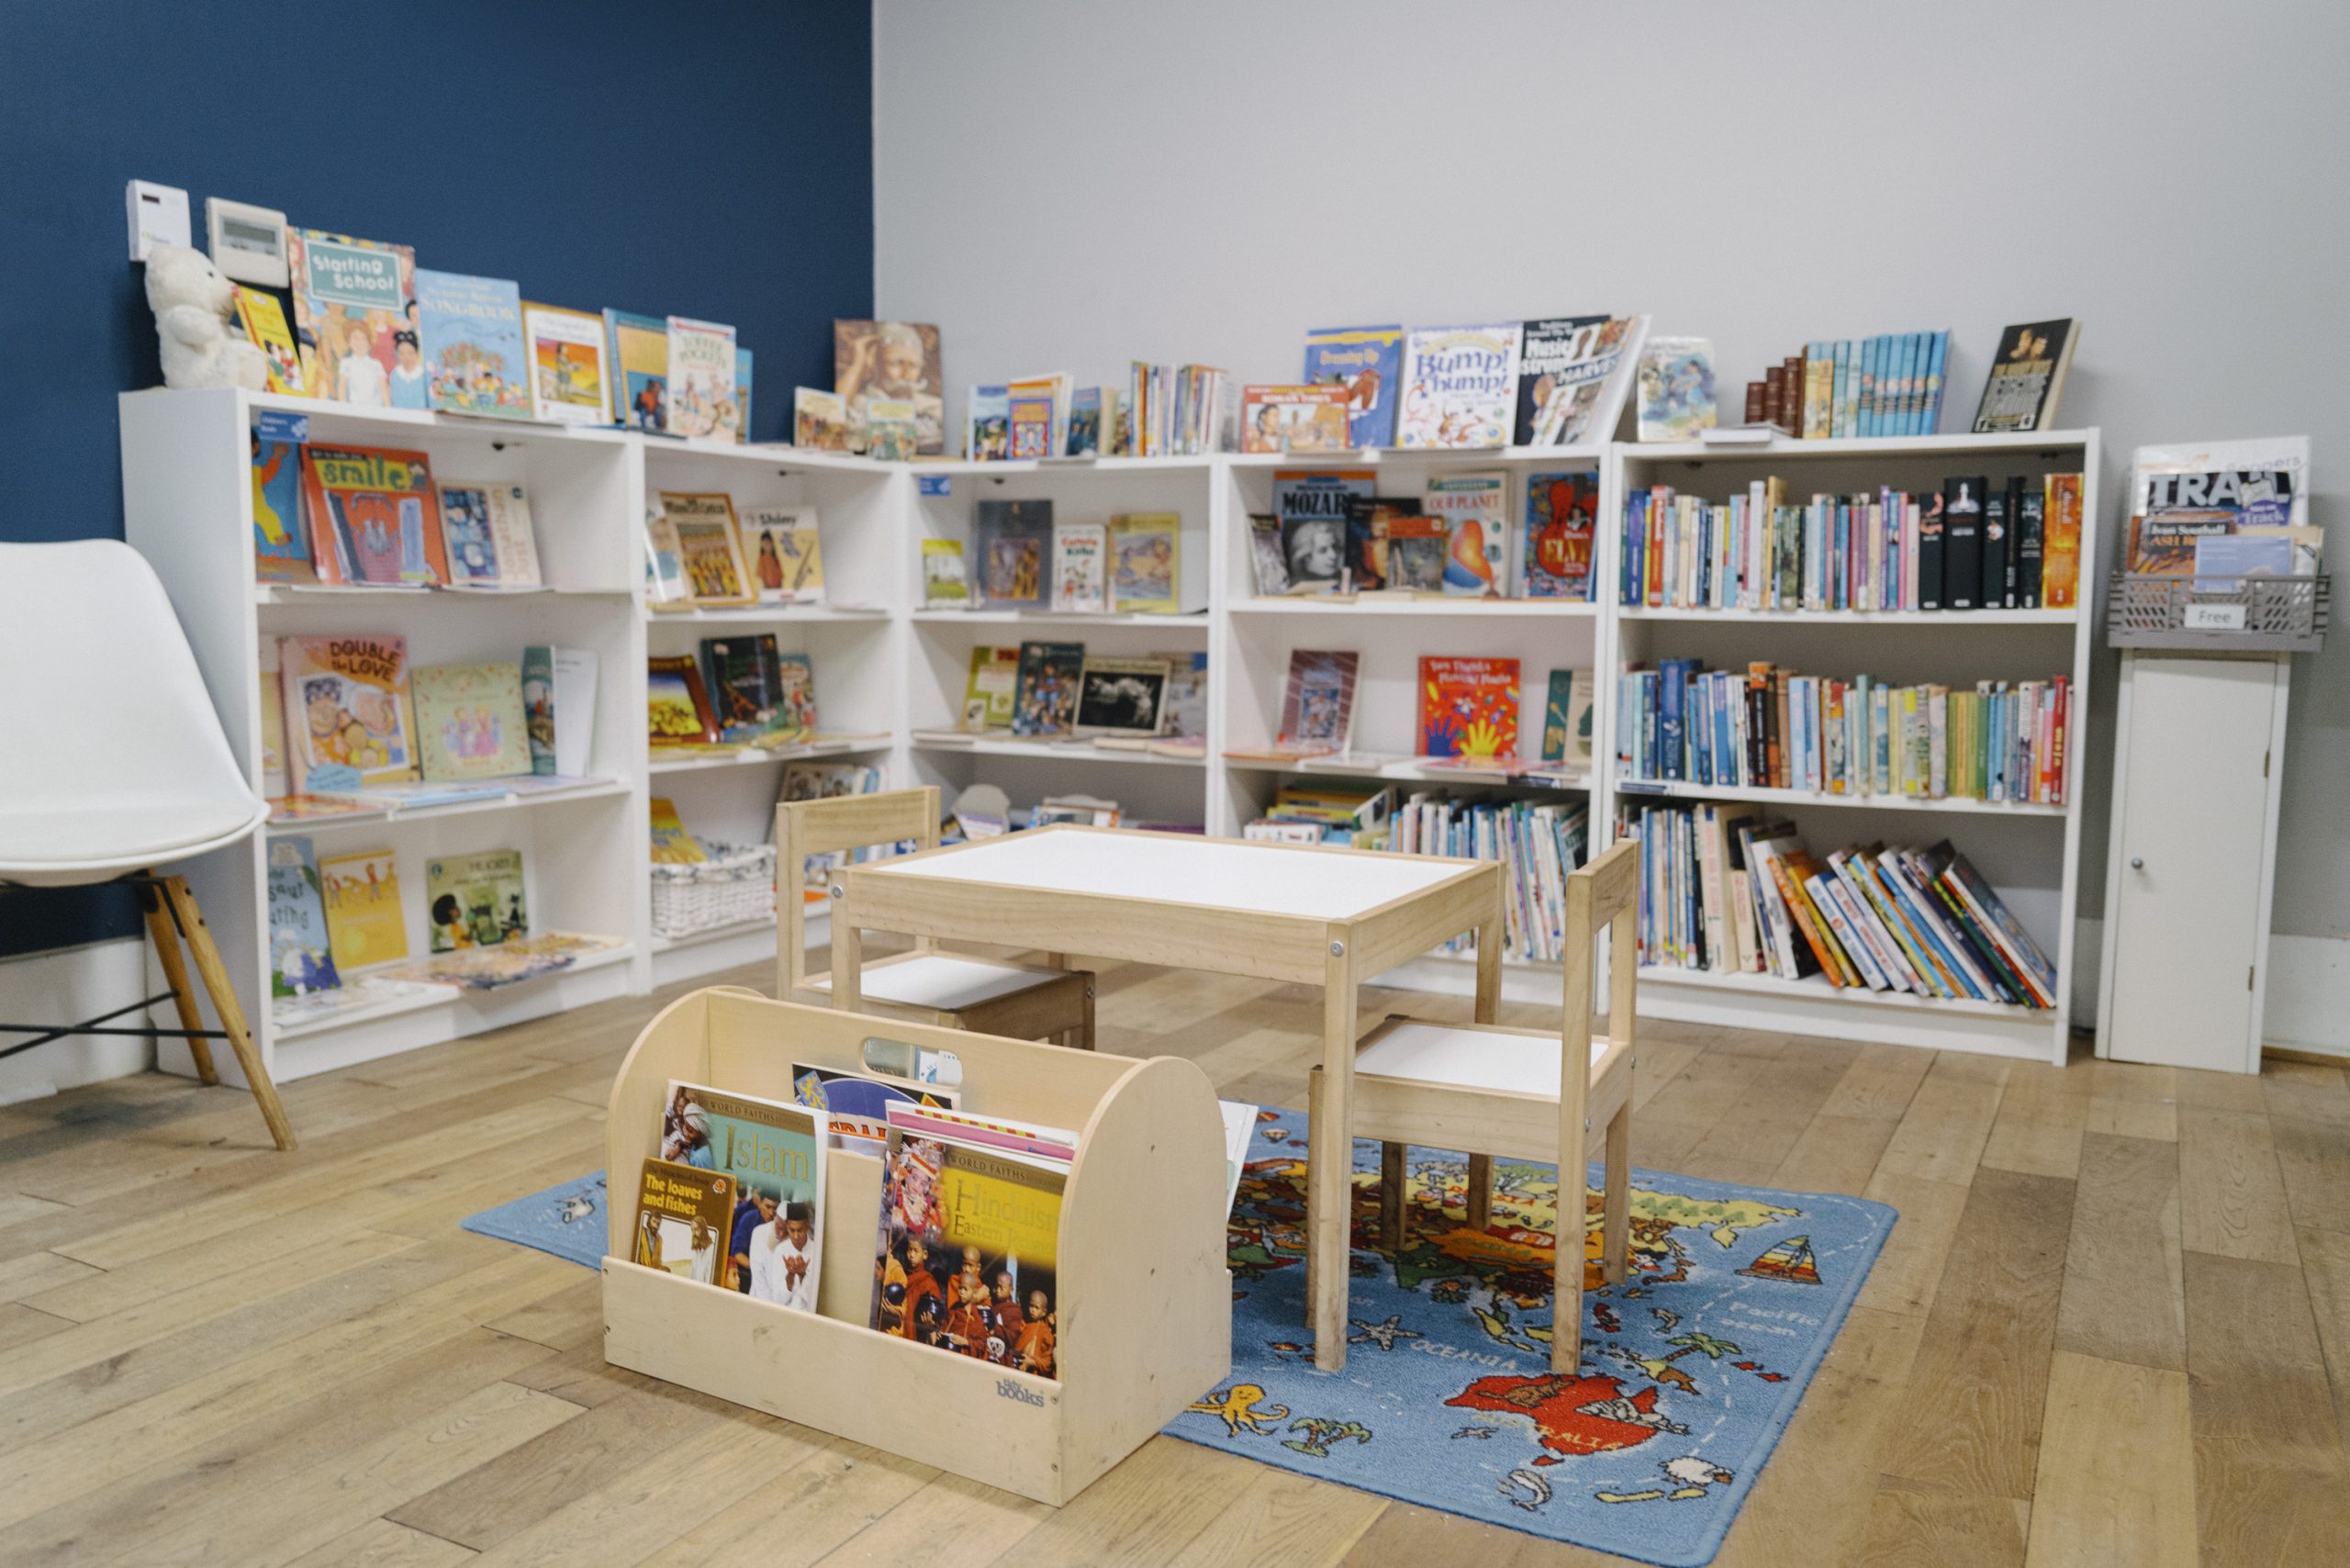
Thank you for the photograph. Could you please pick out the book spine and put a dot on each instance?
(1992, 590)
(2030, 534)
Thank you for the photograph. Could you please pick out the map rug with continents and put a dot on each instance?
(1691, 1367)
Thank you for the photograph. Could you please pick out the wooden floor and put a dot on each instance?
(2100, 1333)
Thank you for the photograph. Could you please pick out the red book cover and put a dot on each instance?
(1468, 707)
(375, 517)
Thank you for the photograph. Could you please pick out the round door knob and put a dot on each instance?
(2136, 864)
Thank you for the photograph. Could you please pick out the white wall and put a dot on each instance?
(1069, 185)
(61, 987)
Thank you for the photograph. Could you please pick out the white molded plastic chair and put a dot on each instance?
(113, 762)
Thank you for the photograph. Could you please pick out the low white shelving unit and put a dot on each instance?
(888, 667)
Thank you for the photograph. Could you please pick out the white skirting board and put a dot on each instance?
(64, 986)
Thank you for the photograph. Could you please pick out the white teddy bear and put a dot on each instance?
(196, 321)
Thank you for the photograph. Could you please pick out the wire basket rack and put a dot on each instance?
(2189, 613)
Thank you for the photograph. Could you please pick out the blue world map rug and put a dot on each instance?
(1691, 1368)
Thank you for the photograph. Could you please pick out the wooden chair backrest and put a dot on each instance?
(822, 827)
(1604, 894)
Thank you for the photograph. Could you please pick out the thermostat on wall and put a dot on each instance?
(248, 243)
(157, 217)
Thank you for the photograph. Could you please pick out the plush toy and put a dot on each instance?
(195, 320)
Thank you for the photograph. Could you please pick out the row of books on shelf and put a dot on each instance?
(1466, 708)
(1330, 532)
(1768, 727)
(967, 1236)
(1968, 545)
(1021, 558)
(702, 553)
(1885, 386)
(735, 693)
(1053, 692)
(339, 930)
(1723, 888)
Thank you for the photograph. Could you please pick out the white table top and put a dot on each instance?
(1259, 879)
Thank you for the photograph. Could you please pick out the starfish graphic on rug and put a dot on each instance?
(1383, 1335)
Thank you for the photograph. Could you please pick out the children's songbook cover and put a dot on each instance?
(364, 917)
(475, 901)
(968, 1249)
(1560, 511)
(301, 955)
(1468, 707)
(568, 380)
(355, 322)
(775, 1153)
(347, 714)
(685, 1223)
(469, 721)
(375, 517)
(474, 359)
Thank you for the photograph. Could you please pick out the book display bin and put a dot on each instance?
(1144, 1312)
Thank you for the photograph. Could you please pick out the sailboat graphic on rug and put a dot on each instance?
(1790, 1260)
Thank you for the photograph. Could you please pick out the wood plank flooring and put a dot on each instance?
(2113, 1327)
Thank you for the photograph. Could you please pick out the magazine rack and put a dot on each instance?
(1145, 1313)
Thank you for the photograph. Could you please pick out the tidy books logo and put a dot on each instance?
(1007, 1389)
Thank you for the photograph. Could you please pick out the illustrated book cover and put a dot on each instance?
(1145, 562)
(354, 301)
(1012, 550)
(301, 953)
(1047, 700)
(1560, 510)
(710, 551)
(364, 921)
(967, 1255)
(1122, 696)
(1468, 707)
(640, 370)
(281, 539)
(819, 421)
(1369, 362)
(672, 844)
(1475, 510)
(889, 429)
(677, 703)
(685, 1223)
(1307, 418)
(992, 696)
(469, 721)
(375, 517)
(476, 900)
(746, 678)
(785, 553)
(1080, 576)
(1573, 375)
(475, 361)
(1676, 380)
(569, 384)
(946, 584)
(486, 528)
(1566, 718)
(775, 1153)
(263, 321)
(701, 380)
(899, 361)
(559, 708)
(348, 718)
(857, 1104)
(1460, 386)
(987, 424)
(1318, 702)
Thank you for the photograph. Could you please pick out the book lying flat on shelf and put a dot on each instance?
(474, 358)
(366, 924)
(685, 1223)
(359, 997)
(374, 518)
(968, 1250)
(510, 963)
(570, 380)
(348, 718)
(1368, 362)
(775, 1153)
(469, 721)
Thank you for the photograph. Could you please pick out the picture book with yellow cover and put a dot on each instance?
(672, 844)
(1146, 559)
(968, 1250)
(685, 1219)
(469, 721)
(364, 924)
(265, 323)
(569, 384)
(775, 1153)
(710, 551)
(348, 721)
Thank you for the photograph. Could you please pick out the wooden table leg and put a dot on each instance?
(1391, 1196)
(165, 936)
(848, 957)
(1616, 1227)
(1489, 996)
(231, 1012)
(1330, 1193)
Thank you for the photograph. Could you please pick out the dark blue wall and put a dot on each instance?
(712, 159)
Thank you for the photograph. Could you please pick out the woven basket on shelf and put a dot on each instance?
(736, 883)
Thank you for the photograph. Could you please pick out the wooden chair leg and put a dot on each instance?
(1085, 1030)
(1391, 1197)
(1313, 1110)
(165, 936)
(224, 1002)
(1480, 1192)
(1616, 1227)
(1566, 1276)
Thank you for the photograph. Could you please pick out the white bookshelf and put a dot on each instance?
(886, 667)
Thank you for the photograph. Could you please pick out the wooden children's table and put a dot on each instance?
(1311, 916)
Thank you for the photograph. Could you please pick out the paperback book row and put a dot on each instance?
(736, 694)
(1331, 533)
(1969, 546)
(369, 327)
(701, 553)
(1767, 727)
(349, 728)
(339, 935)
(965, 1244)
(1164, 411)
(1021, 559)
(375, 518)
(1723, 888)
(1048, 691)
(1466, 711)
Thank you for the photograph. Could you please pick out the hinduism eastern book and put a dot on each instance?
(967, 1254)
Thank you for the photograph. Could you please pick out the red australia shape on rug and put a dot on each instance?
(1560, 1408)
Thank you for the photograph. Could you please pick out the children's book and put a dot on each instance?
(1476, 518)
(364, 921)
(490, 541)
(1318, 702)
(967, 1257)
(1081, 583)
(795, 703)
(1185, 706)
(1572, 374)
(1030, 414)
(301, 954)
(1047, 700)
(1014, 546)
(569, 384)
(1369, 362)
(1560, 510)
(889, 429)
(785, 553)
(1566, 718)
(2026, 378)
(944, 583)
(665, 585)
(1299, 418)
(1085, 423)
(475, 361)
(475, 901)
(1468, 707)
(281, 541)
(539, 707)
(562, 715)
(819, 421)
(1122, 698)
(987, 424)
(710, 546)
(348, 720)
(855, 1104)
(1314, 508)
(742, 392)
(1416, 548)
(1460, 386)
(355, 329)
(469, 721)
(1676, 377)
(273, 722)
(517, 959)
(899, 361)
(702, 379)
(672, 844)
(263, 321)
(685, 1223)
(677, 703)
(745, 680)
(1269, 565)
(992, 696)
(640, 370)
(775, 1153)
(375, 517)
(1145, 562)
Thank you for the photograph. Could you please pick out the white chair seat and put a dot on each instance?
(947, 981)
(1468, 1056)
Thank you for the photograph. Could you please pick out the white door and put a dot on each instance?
(2187, 894)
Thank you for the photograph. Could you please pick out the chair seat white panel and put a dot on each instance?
(1468, 1058)
(152, 827)
(945, 980)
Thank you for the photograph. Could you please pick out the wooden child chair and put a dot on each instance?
(952, 991)
(1488, 1090)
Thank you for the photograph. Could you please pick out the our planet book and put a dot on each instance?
(1145, 562)
(569, 382)
(1561, 510)
(685, 1223)
(469, 721)
(1318, 701)
(1012, 544)
(476, 900)
(375, 517)
(348, 717)
(701, 388)
(677, 709)
(1460, 386)
(365, 924)
(639, 362)
(1369, 362)
(775, 1153)
(1476, 518)
(487, 530)
(301, 953)
(474, 361)
(968, 1250)
(855, 1104)
(1047, 700)
(1468, 707)
(784, 554)
(281, 540)
(353, 298)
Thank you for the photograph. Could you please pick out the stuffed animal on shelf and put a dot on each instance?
(196, 321)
